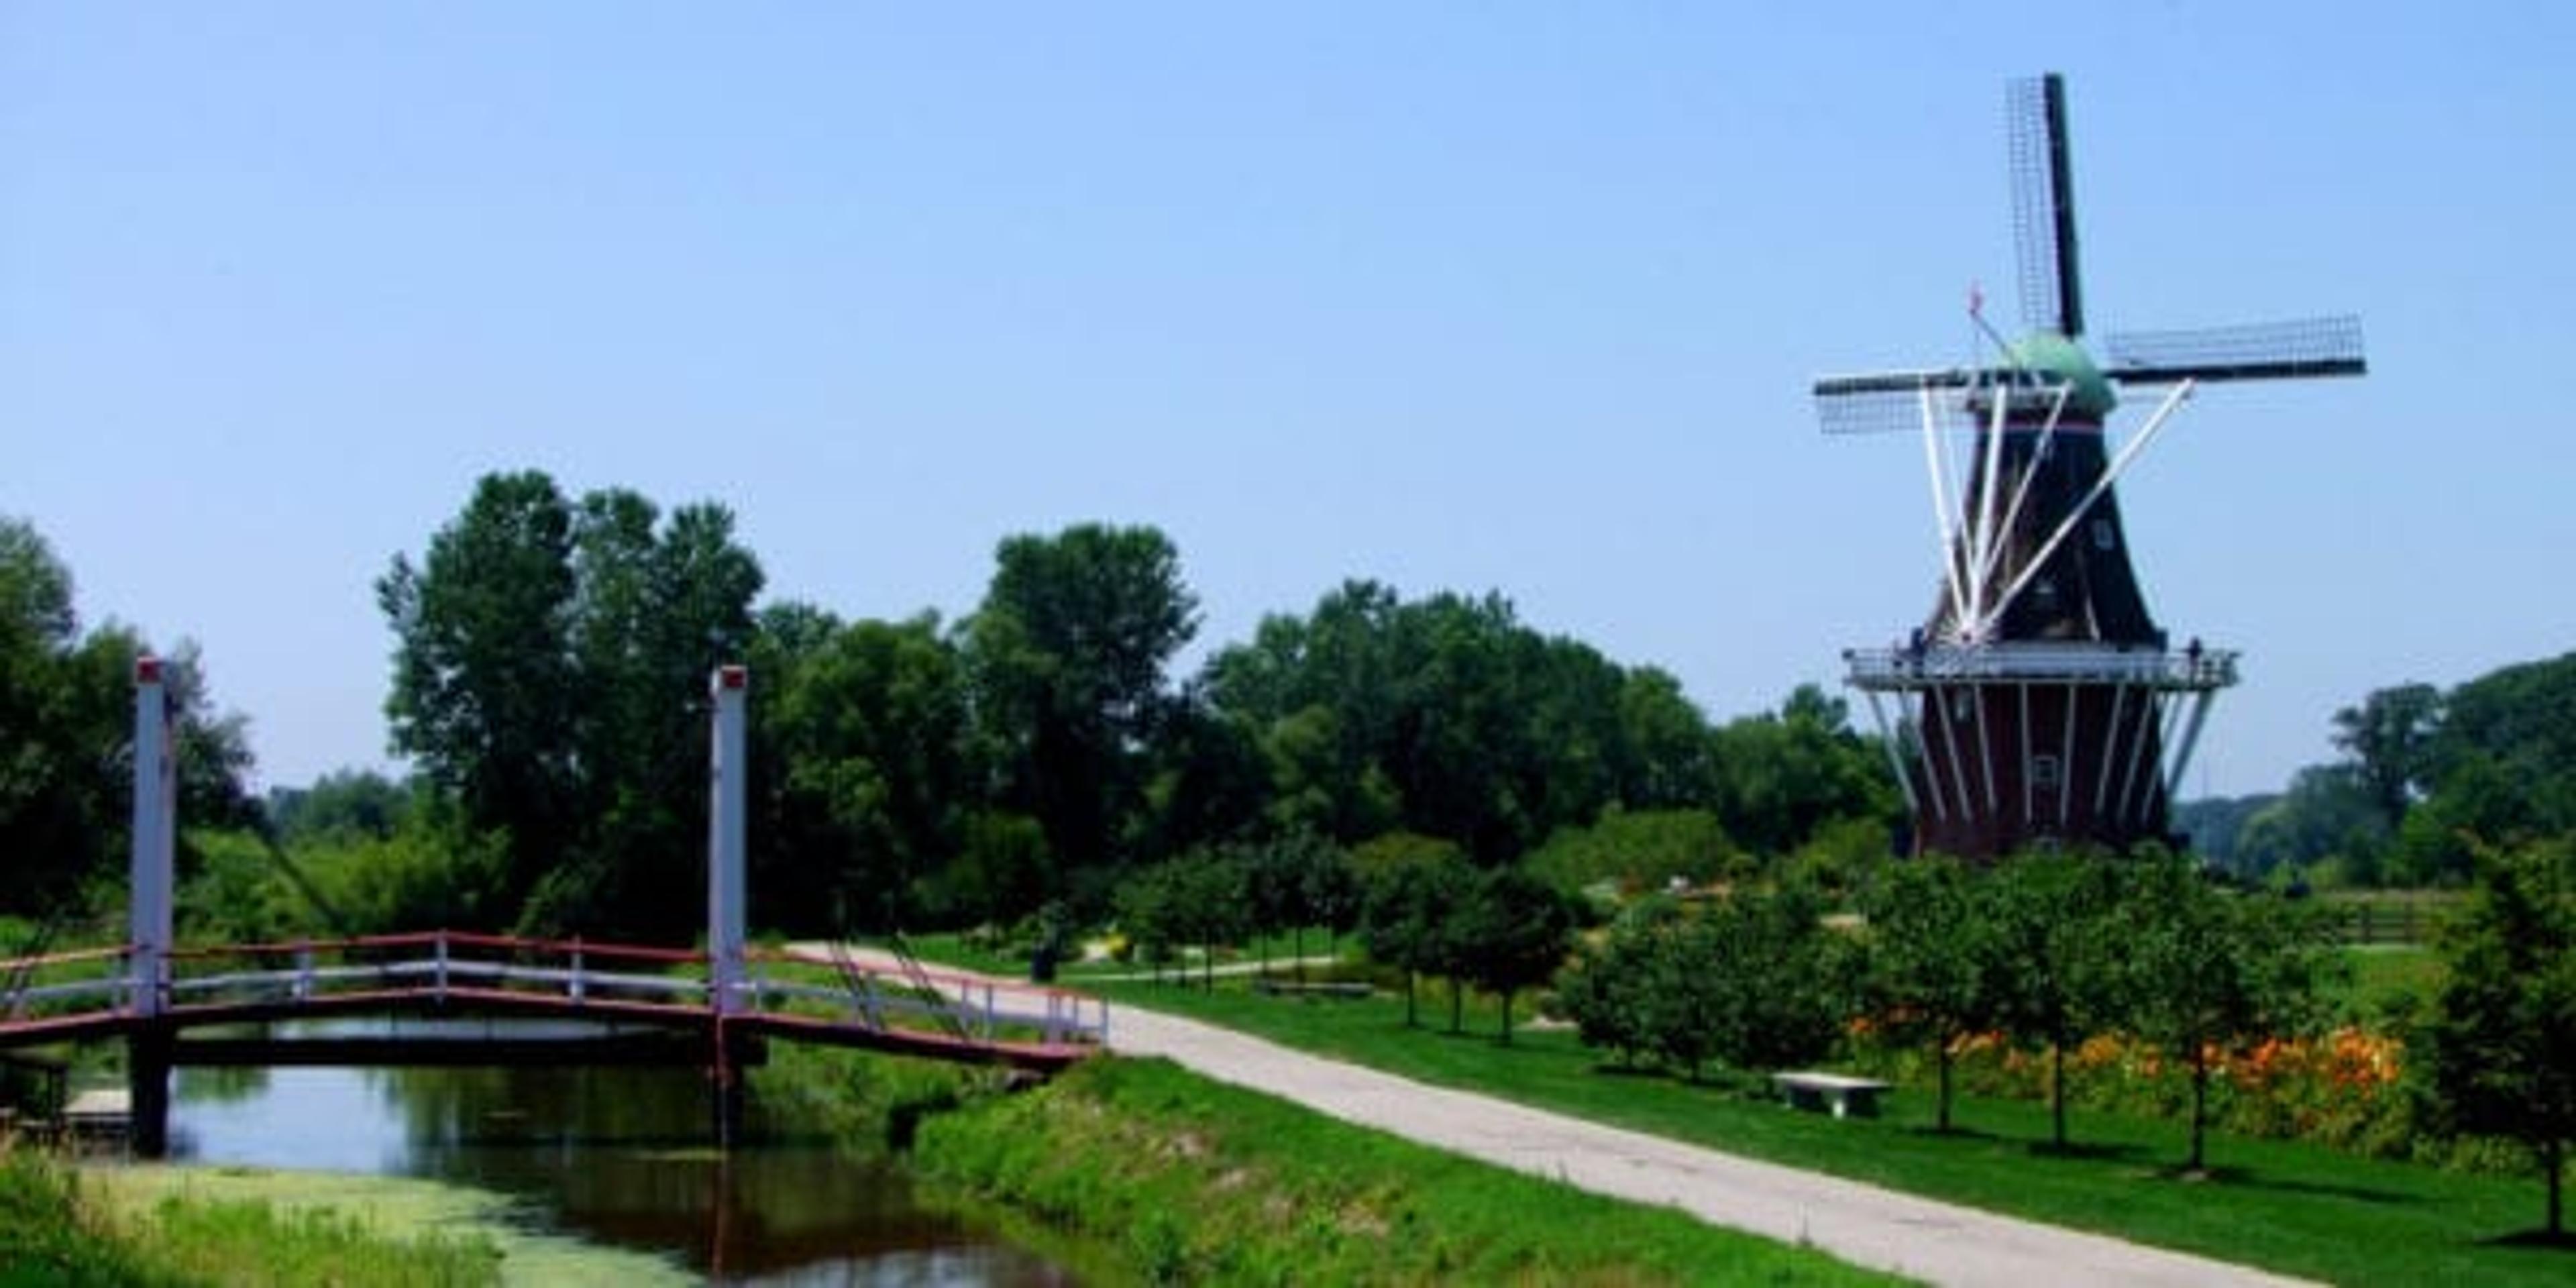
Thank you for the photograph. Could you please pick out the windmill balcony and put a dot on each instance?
(2189, 670)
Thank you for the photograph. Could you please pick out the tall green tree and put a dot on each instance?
(1067, 654)
(871, 732)
(67, 731)
(2389, 738)
(550, 668)
(2504, 1036)
(486, 692)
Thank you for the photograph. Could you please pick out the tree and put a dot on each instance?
(1932, 970)
(1512, 934)
(2389, 738)
(485, 689)
(549, 670)
(2504, 1038)
(66, 735)
(2206, 971)
(871, 741)
(2051, 917)
(1405, 920)
(1067, 654)
(1606, 992)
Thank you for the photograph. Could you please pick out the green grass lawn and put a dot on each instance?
(2293, 1208)
(1194, 1181)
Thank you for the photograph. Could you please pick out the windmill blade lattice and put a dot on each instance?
(2043, 190)
(2326, 346)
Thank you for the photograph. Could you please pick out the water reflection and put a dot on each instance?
(617, 1156)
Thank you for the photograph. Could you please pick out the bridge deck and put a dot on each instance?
(93, 994)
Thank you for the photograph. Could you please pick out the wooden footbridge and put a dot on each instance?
(434, 998)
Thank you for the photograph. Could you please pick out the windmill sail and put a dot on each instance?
(2327, 346)
(2043, 184)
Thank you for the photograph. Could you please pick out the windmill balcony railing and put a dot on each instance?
(465, 969)
(2185, 670)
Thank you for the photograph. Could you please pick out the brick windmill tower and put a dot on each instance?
(2040, 704)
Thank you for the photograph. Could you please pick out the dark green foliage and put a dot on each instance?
(1407, 916)
(1067, 655)
(1782, 777)
(67, 732)
(1511, 934)
(2389, 739)
(346, 804)
(1449, 717)
(1607, 989)
(550, 667)
(1752, 981)
(870, 769)
(2504, 1039)
(1642, 850)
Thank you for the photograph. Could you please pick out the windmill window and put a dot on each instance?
(2104, 535)
(2043, 773)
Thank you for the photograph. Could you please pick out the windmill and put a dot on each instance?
(2038, 703)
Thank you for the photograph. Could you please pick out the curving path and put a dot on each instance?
(1936, 1242)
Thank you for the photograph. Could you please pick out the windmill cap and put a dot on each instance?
(2046, 353)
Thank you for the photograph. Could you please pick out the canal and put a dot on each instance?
(610, 1156)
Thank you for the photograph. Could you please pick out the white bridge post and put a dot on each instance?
(155, 799)
(155, 826)
(725, 888)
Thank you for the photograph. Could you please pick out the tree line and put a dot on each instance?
(2425, 777)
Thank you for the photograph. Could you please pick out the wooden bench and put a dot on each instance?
(1844, 1097)
(1283, 988)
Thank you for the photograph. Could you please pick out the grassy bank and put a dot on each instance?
(59, 1225)
(1203, 1183)
(2295, 1208)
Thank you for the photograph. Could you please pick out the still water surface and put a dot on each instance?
(615, 1156)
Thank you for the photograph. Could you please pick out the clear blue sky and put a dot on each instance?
(1518, 297)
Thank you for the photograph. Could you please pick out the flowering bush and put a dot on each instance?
(2344, 1088)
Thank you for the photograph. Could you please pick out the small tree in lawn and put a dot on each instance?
(2049, 915)
(1148, 914)
(1780, 977)
(1512, 934)
(1606, 992)
(1406, 918)
(2504, 1039)
(2206, 972)
(1929, 957)
(1332, 893)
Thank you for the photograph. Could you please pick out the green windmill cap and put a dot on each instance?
(2051, 354)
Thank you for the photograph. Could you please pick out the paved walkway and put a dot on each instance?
(1939, 1243)
(1936, 1242)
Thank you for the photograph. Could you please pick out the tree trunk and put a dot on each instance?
(2553, 1159)
(1945, 1060)
(2199, 1100)
(2057, 1091)
(1409, 1021)
(1297, 946)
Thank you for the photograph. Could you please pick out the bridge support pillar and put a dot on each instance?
(147, 1086)
(726, 1093)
